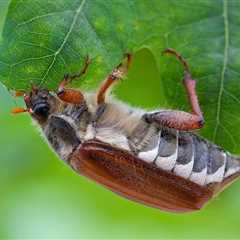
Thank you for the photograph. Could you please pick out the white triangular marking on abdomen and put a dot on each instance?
(215, 177)
(167, 163)
(184, 170)
(199, 177)
(218, 175)
(150, 156)
(231, 171)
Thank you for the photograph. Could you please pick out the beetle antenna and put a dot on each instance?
(18, 110)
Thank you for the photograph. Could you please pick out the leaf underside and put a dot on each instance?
(43, 39)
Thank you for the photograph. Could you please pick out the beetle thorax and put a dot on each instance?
(112, 122)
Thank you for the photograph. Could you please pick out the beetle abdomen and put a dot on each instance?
(189, 156)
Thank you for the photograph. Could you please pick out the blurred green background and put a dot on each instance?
(42, 198)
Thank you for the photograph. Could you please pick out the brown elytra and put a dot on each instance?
(131, 177)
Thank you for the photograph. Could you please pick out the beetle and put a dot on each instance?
(155, 158)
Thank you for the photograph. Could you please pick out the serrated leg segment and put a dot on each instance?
(69, 78)
(116, 74)
(181, 120)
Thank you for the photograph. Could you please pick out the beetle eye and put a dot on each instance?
(42, 111)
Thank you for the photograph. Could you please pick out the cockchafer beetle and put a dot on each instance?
(150, 157)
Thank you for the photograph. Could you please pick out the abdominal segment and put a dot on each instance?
(187, 155)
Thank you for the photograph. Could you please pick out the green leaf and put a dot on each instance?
(3, 11)
(43, 39)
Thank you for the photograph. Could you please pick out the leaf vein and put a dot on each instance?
(30, 59)
(232, 96)
(77, 13)
(224, 68)
(39, 17)
(37, 45)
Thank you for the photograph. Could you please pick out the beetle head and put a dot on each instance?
(41, 103)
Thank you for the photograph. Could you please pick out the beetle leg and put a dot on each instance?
(71, 95)
(115, 75)
(178, 119)
(69, 78)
